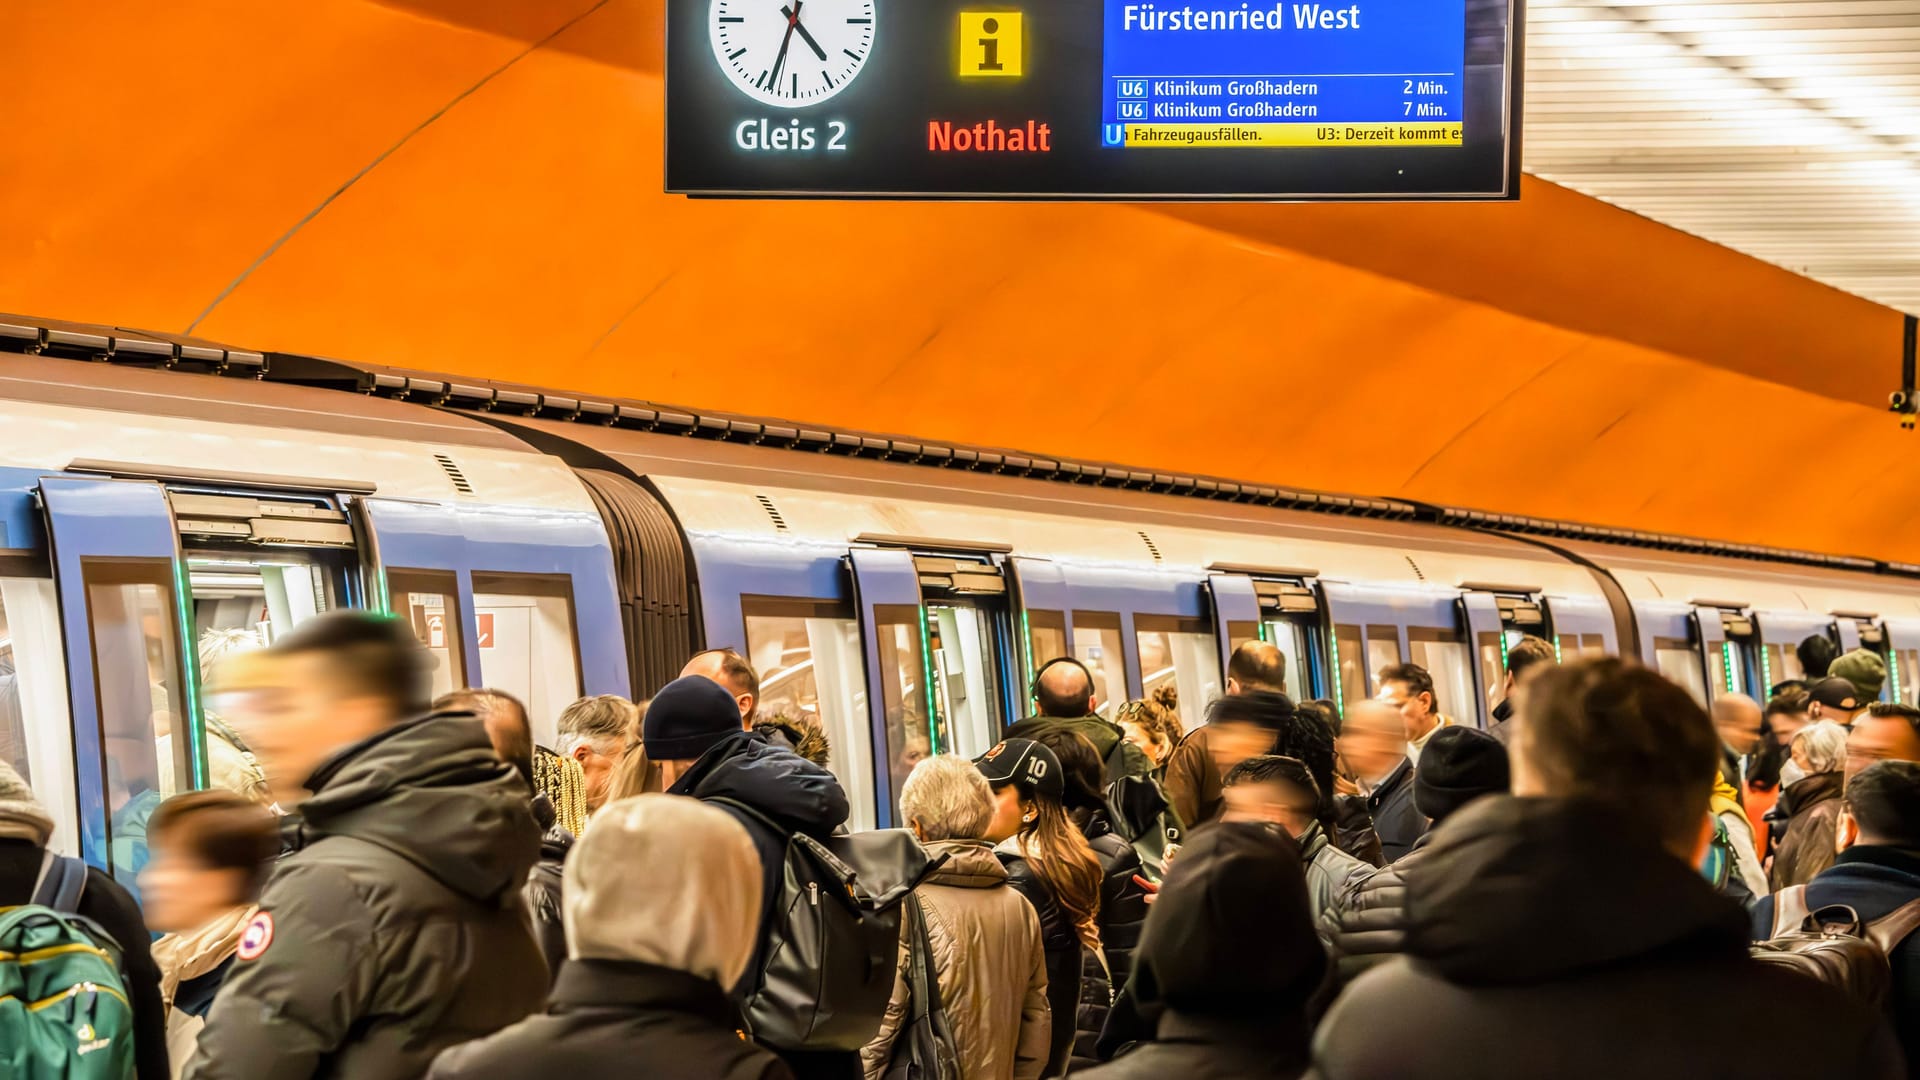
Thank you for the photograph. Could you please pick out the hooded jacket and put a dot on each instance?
(1395, 819)
(990, 966)
(395, 926)
(1813, 817)
(1105, 735)
(1551, 937)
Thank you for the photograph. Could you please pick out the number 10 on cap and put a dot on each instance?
(990, 44)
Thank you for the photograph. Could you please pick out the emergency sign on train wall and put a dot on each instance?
(1070, 99)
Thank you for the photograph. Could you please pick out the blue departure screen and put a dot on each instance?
(1287, 74)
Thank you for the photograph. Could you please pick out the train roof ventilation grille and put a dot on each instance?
(1417, 572)
(1152, 548)
(460, 482)
(773, 513)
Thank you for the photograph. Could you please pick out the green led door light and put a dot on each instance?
(1726, 666)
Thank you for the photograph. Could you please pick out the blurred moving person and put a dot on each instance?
(593, 732)
(1836, 700)
(1877, 872)
(1409, 688)
(1809, 804)
(25, 830)
(988, 961)
(1050, 864)
(226, 659)
(1525, 660)
(1280, 792)
(1816, 654)
(1231, 947)
(1565, 932)
(1152, 723)
(732, 673)
(1373, 743)
(211, 853)
(394, 928)
(1258, 670)
(1737, 719)
(1885, 733)
(663, 915)
(1063, 694)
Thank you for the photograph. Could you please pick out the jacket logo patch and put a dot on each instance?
(258, 935)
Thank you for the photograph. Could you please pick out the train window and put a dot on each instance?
(1290, 636)
(524, 627)
(1906, 668)
(1493, 660)
(1046, 639)
(144, 718)
(34, 721)
(965, 686)
(910, 736)
(425, 598)
(1181, 653)
(1675, 659)
(1383, 651)
(262, 596)
(1717, 671)
(1096, 643)
(1591, 644)
(1444, 654)
(1785, 664)
(1347, 648)
(809, 661)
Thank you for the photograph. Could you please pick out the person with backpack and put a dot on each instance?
(107, 941)
(981, 982)
(1564, 931)
(1877, 875)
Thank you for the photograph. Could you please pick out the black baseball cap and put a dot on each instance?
(1836, 693)
(1025, 764)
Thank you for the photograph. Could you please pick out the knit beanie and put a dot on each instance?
(1864, 669)
(21, 815)
(1459, 764)
(687, 717)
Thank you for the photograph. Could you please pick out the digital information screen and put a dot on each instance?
(1116, 99)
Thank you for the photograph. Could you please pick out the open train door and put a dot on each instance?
(886, 592)
(130, 683)
(1236, 615)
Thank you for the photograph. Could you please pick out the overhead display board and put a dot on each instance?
(1094, 99)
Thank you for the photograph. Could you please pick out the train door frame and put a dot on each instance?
(886, 578)
(1586, 616)
(1379, 607)
(1499, 611)
(1903, 636)
(1784, 630)
(1868, 633)
(1262, 599)
(1729, 628)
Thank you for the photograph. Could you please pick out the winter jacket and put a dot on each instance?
(1502, 726)
(1192, 781)
(395, 927)
(1206, 1048)
(1813, 817)
(1061, 945)
(1873, 881)
(1332, 874)
(108, 904)
(192, 967)
(1123, 902)
(1369, 927)
(990, 965)
(1353, 829)
(542, 890)
(1105, 735)
(1551, 937)
(1090, 1012)
(618, 1018)
(1395, 819)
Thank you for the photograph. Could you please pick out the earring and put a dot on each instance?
(1029, 819)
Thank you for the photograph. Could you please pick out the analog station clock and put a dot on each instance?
(791, 53)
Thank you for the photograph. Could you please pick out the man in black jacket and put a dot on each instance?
(1877, 872)
(1526, 660)
(1568, 933)
(394, 928)
(1373, 740)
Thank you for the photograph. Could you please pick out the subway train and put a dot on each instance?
(158, 493)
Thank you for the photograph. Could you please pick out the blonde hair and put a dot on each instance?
(1158, 714)
(634, 775)
(565, 786)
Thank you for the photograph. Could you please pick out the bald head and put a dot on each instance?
(1064, 689)
(1257, 665)
(1737, 718)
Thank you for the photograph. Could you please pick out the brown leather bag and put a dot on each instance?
(1834, 946)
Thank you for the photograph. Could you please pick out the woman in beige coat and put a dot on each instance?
(987, 955)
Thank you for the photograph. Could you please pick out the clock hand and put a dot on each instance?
(804, 36)
(780, 61)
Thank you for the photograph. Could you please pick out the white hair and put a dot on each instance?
(602, 724)
(1825, 746)
(948, 797)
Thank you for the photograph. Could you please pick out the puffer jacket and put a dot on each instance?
(1370, 926)
(1813, 816)
(1123, 901)
(1120, 757)
(395, 927)
(990, 965)
(1353, 829)
(543, 885)
(1061, 943)
(1331, 873)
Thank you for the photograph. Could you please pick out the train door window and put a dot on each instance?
(1290, 636)
(1676, 659)
(1785, 663)
(1493, 658)
(524, 628)
(425, 599)
(965, 685)
(34, 720)
(1046, 638)
(1383, 651)
(1590, 644)
(1183, 654)
(1348, 649)
(809, 660)
(1096, 643)
(1444, 654)
(145, 728)
(911, 734)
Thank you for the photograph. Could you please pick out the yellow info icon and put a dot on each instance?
(990, 45)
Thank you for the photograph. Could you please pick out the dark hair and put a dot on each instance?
(1062, 701)
(1788, 686)
(1763, 765)
(1303, 734)
(1417, 679)
(1817, 653)
(1883, 709)
(1080, 767)
(1528, 651)
(1608, 730)
(1329, 712)
(1258, 665)
(1270, 768)
(376, 655)
(740, 674)
(513, 743)
(1884, 799)
(221, 829)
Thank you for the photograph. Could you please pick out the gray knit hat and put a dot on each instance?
(21, 815)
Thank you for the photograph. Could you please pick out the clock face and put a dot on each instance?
(791, 53)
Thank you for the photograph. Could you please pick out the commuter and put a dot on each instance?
(1565, 932)
(1063, 691)
(211, 854)
(1280, 792)
(1836, 700)
(1230, 944)
(1816, 655)
(25, 832)
(1865, 669)
(1123, 901)
(643, 993)
(1886, 732)
(1050, 864)
(1876, 872)
(1763, 769)
(1733, 859)
(1347, 820)
(230, 763)
(1373, 742)
(1409, 688)
(1528, 655)
(1809, 805)
(1737, 718)
(1153, 724)
(987, 959)
(1256, 671)
(1786, 714)
(593, 732)
(1369, 925)
(394, 927)
(731, 671)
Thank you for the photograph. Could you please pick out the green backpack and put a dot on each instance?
(64, 1010)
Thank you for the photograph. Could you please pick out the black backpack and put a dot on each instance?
(1834, 946)
(832, 937)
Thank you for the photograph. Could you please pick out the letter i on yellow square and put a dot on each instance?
(990, 44)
